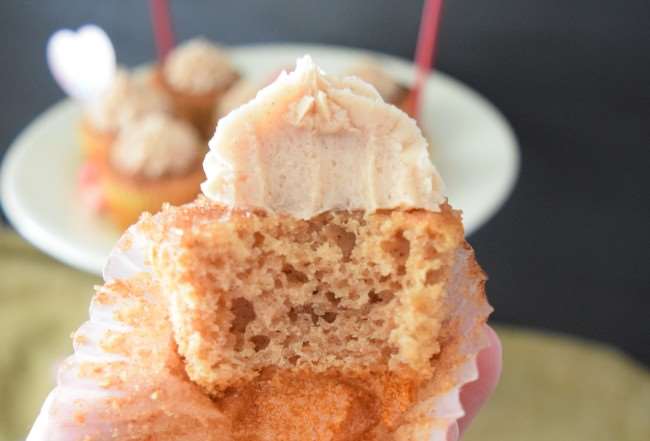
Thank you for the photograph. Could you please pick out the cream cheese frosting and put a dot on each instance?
(311, 142)
(158, 145)
(130, 97)
(198, 66)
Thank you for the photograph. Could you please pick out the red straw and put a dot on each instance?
(162, 27)
(425, 49)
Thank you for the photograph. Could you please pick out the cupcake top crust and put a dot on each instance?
(198, 67)
(130, 97)
(159, 145)
(310, 142)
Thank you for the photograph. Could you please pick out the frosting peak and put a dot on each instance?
(310, 142)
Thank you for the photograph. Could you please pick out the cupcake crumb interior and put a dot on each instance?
(347, 291)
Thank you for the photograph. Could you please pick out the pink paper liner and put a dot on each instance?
(430, 419)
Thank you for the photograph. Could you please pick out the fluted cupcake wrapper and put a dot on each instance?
(126, 381)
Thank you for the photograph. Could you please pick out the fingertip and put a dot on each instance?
(453, 433)
(490, 359)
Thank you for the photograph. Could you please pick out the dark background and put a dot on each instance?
(569, 251)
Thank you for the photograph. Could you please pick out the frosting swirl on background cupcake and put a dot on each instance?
(197, 67)
(129, 98)
(240, 93)
(371, 72)
(159, 145)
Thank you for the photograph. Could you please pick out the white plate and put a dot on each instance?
(474, 149)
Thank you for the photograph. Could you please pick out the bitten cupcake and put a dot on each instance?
(390, 89)
(129, 98)
(321, 290)
(155, 161)
(196, 74)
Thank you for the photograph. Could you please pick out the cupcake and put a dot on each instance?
(390, 89)
(196, 74)
(321, 289)
(154, 161)
(129, 98)
(240, 93)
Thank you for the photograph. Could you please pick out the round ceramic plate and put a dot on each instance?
(474, 149)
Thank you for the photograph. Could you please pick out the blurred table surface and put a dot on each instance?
(569, 251)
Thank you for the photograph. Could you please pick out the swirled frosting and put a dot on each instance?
(158, 145)
(311, 142)
(198, 66)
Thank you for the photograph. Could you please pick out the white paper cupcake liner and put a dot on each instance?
(167, 405)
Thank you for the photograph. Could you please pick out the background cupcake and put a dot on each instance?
(240, 93)
(155, 161)
(390, 89)
(129, 98)
(196, 74)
